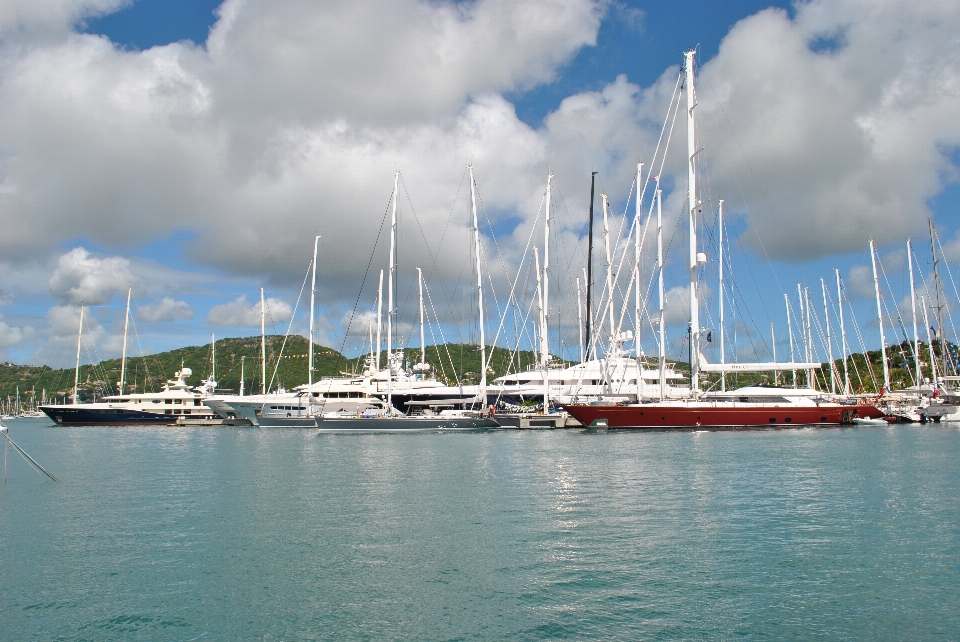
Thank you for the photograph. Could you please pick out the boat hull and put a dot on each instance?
(404, 424)
(707, 416)
(80, 416)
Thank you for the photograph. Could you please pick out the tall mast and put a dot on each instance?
(843, 337)
(580, 318)
(773, 342)
(544, 358)
(544, 335)
(242, 360)
(379, 317)
(423, 345)
(636, 266)
(476, 247)
(793, 359)
(213, 357)
(803, 325)
(263, 345)
(370, 332)
(313, 290)
(662, 355)
(76, 374)
(913, 311)
(393, 267)
(723, 360)
(123, 357)
(811, 380)
(589, 277)
(826, 323)
(936, 281)
(933, 360)
(693, 204)
(883, 343)
(606, 242)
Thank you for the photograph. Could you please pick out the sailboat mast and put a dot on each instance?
(773, 343)
(423, 345)
(390, 274)
(242, 362)
(883, 343)
(123, 356)
(76, 374)
(213, 358)
(606, 242)
(693, 205)
(723, 359)
(263, 345)
(913, 311)
(313, 290)
(636, 265)
(589, 277)
(811, 380)
(803, 326)
(843, 337)
(933, 360)
(936, 281)
(826, 323)
(580, 318)
(793, 359)
(476, 247)
(662, 355)
(544, 335)
(544, 359)
(379, 317)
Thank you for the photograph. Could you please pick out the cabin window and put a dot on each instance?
(196, 402)
(167, 401)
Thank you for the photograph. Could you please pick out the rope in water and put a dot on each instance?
(30, 460)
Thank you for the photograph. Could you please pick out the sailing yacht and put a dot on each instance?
(746, 407)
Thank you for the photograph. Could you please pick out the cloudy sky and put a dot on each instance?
(192, 150)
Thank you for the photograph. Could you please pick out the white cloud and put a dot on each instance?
(166, 310)
(9, 336)
(229, 143)
(239, 312)
(81, 277)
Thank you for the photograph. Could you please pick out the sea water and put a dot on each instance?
(158, 533)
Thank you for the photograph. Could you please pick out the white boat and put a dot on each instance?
(175, 401)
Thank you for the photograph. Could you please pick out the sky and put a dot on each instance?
(192, 150)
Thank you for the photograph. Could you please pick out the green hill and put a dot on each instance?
(451, 362)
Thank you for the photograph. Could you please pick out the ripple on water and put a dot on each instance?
(221, 534)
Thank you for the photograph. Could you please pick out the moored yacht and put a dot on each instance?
(175, 401)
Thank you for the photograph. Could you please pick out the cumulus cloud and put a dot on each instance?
(837, 122)
(9, 336)
(166, 310)
(81, 277)
(240, 313)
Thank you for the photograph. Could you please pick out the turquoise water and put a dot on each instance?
(230, 534)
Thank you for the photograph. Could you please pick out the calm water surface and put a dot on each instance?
(228, 534)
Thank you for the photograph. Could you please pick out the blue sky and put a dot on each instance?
(199, 172)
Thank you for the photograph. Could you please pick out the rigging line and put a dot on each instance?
(863, 348)
(886, 308)
(663, 160)
(446, 346)
(30, 460)
(946, 265)
(511, 299)
(293, 316)
(443, 371)
(737, 180)
(365, 274)
(434, 267)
